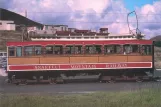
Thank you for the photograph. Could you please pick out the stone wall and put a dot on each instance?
(6, 36)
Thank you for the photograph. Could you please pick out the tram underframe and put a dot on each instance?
(112, 75)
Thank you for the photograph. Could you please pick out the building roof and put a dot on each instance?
(18, 19)
(55, 25)
(103, 29)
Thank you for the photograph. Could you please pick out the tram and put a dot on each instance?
(112, 59)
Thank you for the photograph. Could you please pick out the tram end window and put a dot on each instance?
(11, 51)
(19, 51)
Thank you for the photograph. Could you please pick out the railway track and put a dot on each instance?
(78, 87)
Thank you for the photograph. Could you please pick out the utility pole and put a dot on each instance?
(0, 15)
(22, 35)
(23, 29)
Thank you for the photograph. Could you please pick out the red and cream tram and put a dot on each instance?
(47, 60)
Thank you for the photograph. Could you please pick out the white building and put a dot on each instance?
(7, 25)
(48, 29)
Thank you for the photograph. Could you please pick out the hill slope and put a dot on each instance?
(156, 38)
(18, 19)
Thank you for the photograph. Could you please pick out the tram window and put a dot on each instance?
(98, 49)
(117, 49)
(11, 51)
(58, 50)
(28, 50)
(18, 51)
(69, 50)
(147, 49)
(108, 49)
(38, 50)
(131, 49)
(78, 49)
(49, 49)
(127, 49)
(135, 48)
(90, 49)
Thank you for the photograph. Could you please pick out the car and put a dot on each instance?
(3, 54)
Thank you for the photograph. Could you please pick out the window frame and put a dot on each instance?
(82, 49)
(46, 49)
(114, 49)
(40, 51)
(21, 51)
(31, 51)
(71, 46)
(143, 52)
(9, 51)
(61, 49)
(94, 49)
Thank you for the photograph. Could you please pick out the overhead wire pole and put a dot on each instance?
(138, 34)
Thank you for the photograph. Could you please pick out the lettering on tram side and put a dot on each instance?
(116, 65)
(47, 67)
(83, 66)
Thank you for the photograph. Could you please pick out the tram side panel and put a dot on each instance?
(70, 60)
(50, 63)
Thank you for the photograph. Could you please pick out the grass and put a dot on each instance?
(141, 98)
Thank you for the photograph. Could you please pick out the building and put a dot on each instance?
(7, 25)
(76, 34)
(47, 29)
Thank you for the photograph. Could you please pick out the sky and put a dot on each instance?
(92, 14)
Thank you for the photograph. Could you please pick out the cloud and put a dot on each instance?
(88, 14)
(150, 19)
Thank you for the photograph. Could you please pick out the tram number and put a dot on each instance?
(116, 65)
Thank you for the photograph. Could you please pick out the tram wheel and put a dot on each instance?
(52, 81)
(24, 82)
(17, 83)
(111, 81)
(139, 80)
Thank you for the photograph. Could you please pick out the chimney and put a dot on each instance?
(26, 13)
(103, 30)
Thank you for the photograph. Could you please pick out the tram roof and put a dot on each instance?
(80, 42)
